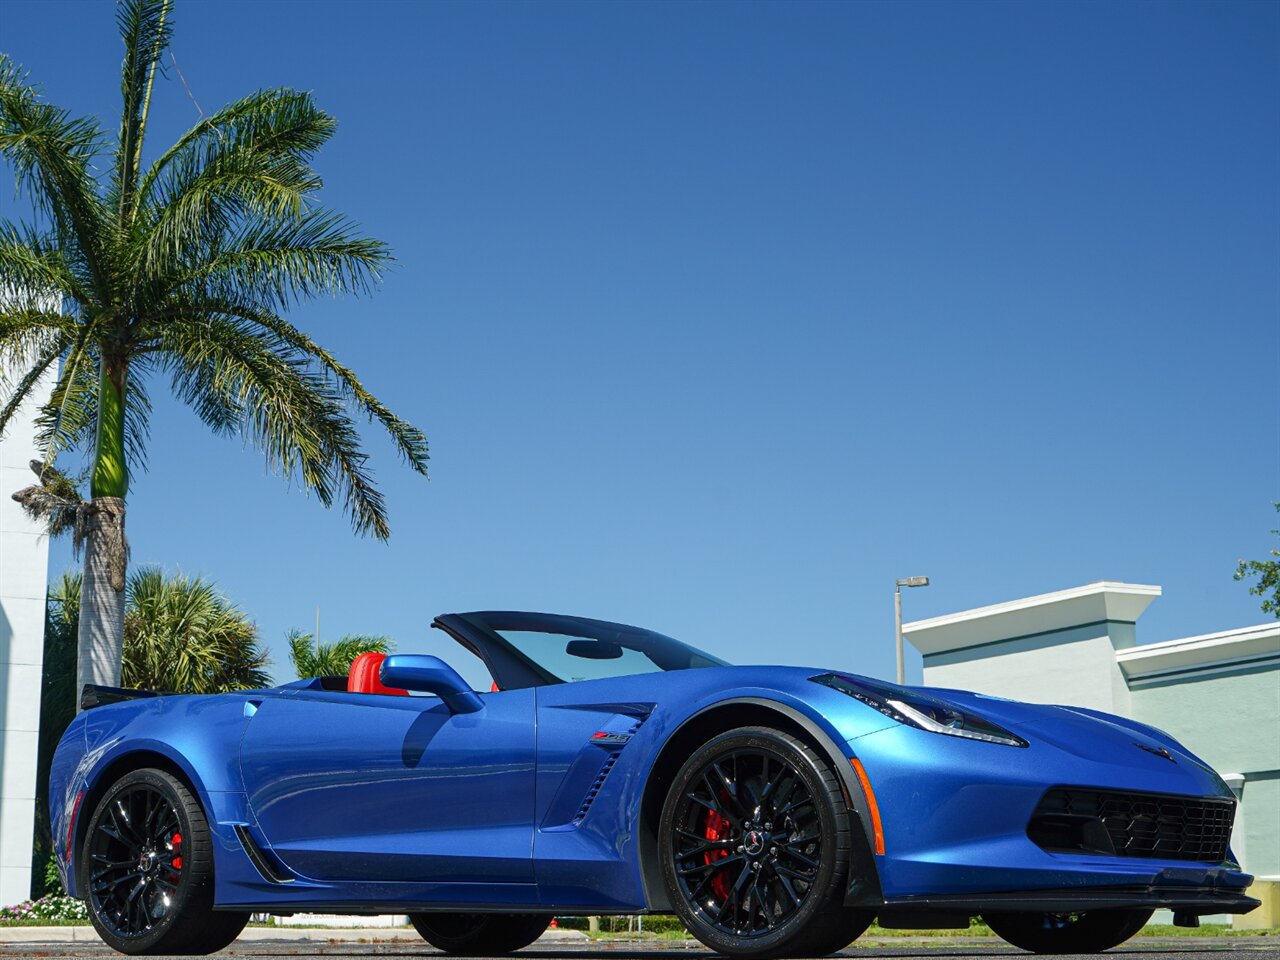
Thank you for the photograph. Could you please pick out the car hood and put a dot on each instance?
(1077, 730)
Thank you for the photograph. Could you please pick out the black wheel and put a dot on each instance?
(1089, 932)
(479, 934)
(754, 846)
(146, 868)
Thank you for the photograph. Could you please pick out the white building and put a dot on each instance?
(24, 576)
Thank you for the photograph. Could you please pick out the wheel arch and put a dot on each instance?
(111, 769)
(727, 715)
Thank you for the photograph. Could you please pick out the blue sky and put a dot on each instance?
(719, 317)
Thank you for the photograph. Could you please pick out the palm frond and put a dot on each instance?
(27, 327)
(249, 163)
(146, 28)
(410, 441)
(238, 378)
(273, 122)
(38, 364)
(279, 262)
(50, 152)
(53, 501)
(35, 264)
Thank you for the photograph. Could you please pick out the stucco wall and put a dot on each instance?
(1228, 717)
(24, 554)
(1076, 666)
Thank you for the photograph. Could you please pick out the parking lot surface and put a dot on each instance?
(1244, 948)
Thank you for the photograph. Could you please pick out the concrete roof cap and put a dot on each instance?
(1210, 649)
(1092, 603)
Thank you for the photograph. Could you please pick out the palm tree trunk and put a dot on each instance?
(101, 636)
(100, 529)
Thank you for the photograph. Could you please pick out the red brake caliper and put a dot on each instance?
(175, 845)
(718, 828)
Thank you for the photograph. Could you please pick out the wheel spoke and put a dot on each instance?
(731, 788)
(787, 888)
(771, 785)
(115, 883)
(703, 847)
(798, 857)
(793, 804)
(112, 864)
(713, 865)
(123, 828)
(785, 871)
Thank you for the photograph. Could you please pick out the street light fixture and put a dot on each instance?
(897, 615)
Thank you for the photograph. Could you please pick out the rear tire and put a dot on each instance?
(146, 870)
(1089, 932)
(754, 846)
(479, 934)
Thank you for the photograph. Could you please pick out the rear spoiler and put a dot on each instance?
(95, 696)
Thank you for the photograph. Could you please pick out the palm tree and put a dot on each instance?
(181, 634)
(182, 268)
(313, 659)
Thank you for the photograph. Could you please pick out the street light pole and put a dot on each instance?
(897, 617)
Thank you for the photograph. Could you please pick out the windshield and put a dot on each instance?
(560, 649)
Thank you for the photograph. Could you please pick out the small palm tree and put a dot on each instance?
(182, 269)
(181, 634)
(312, 659)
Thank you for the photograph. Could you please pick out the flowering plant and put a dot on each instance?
(51, 910)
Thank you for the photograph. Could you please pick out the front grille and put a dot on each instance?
(1154, 825)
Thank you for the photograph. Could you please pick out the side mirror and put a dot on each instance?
(427, 674)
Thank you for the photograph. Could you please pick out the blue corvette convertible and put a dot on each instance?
(775, 810)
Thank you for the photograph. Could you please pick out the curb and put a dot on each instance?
(86, 934)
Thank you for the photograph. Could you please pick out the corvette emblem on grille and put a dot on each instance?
(1158, 751)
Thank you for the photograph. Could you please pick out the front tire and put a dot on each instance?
(1089, 932)
(146, 868)
(479, 934)
(754, 847)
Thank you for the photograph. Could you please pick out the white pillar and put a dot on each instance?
(24, 575)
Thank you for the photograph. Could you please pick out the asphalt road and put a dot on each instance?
(1245, 948)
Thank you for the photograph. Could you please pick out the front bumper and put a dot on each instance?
(955, 816)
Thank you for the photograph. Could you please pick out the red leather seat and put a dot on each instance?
(364, 676)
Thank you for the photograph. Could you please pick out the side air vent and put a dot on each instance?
(261, 862)
(615, 746)
(594, 792)
(587, 774)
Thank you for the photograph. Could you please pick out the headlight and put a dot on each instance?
(920, 710)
